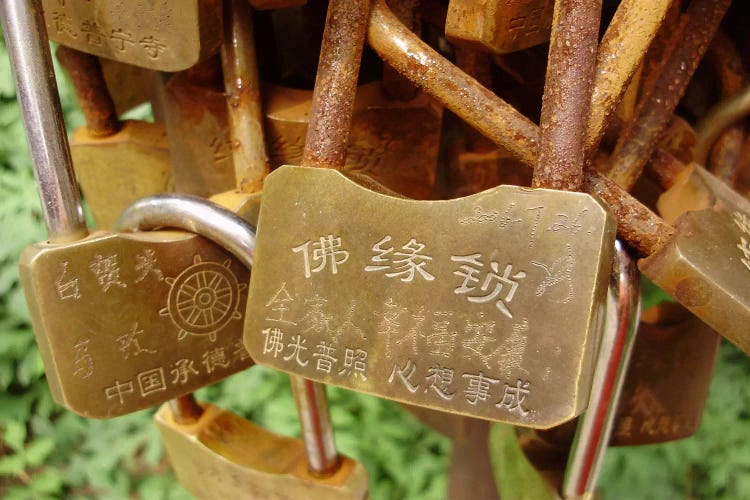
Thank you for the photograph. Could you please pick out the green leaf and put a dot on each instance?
(38, 451)
(14, 435)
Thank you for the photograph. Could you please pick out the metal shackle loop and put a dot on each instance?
(193, 214)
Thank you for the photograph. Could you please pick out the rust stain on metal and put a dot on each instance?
(567, 94)
(336, 84)
(664, 168)
(91, 89)
(396, 86)
(662, 93)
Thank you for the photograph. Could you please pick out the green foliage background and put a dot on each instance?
(47, 452)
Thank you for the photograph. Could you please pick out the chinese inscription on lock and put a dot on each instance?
(484, 306)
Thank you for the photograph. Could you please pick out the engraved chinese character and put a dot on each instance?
(566, 223)
(390, 325)
(145, 263)
(560, 271)
(107, 271)
(743, 221)
(415, 331)
(478, 388)
(355, 360)
(279, 304)
(63, 24)
(120, 38)
(325, 357)
(405, 264)
(535, 224)
(327, 251)
(347, 328)
(151, 381)
(315, 319)
(66, 288)
(119, 390)
(506, 219)
(94, 35)
(744, 247)
(240, 354)
(442, 340)
(438, 379)
(510, 352)
(84, 363)
(152, 46)
(129, 344)
(405, 373)
(182, 371)
(274, 342)
(625, 427)
(514, 396)
(479, 336)
(471, 269)
(297, 345)
(214, 358)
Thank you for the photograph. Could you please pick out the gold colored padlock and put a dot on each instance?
(163, 35)
(133, 153)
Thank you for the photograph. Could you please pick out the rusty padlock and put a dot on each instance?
(163, 35)
(135, 153)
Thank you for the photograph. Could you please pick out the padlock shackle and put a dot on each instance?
(596, 424)
(242, 90)
(500, 122)
(28, 47)
(317, 433)
(194, 214)
(567, 94)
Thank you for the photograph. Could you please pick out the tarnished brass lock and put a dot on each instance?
(706, 266)
(162, 35)
(218, 454)
(386, 135)
(499, 26)
(128, 85)
(667, 384)
(131, 156)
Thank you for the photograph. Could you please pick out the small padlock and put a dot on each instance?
(499, 26)
(122, 321)
(218, 454)
(163, 35)
(134, 153)
(129, 85)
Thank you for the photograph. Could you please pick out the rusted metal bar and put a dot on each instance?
(567, 94)
(498, 120)
(396, 86)
(621, 51)
(664, 168)
(93, 97)
(242, 88)
(336, 84)
(479, 66)
(664, 91)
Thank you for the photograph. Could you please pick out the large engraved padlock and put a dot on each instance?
(163, 35)
(122, 321)
(218, 454)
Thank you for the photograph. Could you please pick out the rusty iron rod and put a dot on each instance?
(336, 84)
(567, 94)
(664, 91)
(242, 88)
(498, 120)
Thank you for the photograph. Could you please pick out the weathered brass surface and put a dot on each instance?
(377, 299)
(707, 264)
(394, 142)
(499, 26)
(137, 156)
(128, 321)
(163, 35)
(667, 383)
(224, 456)
(201, 145)
(128, 85)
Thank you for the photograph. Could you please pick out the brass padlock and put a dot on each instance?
(129, 85)
(123, 322)
(218, 454)
(162, 35)
(499, 26)
(667, 385)
(134, 153)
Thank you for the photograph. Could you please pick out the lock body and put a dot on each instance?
(499, 26)
(128, 321)
(438, 304)
(163, 35)
(117, 170)
(222, 455)
(128, 85)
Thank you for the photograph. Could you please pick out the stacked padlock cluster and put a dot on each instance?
(474, 265)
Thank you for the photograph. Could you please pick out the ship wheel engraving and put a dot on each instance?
(203, 299)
